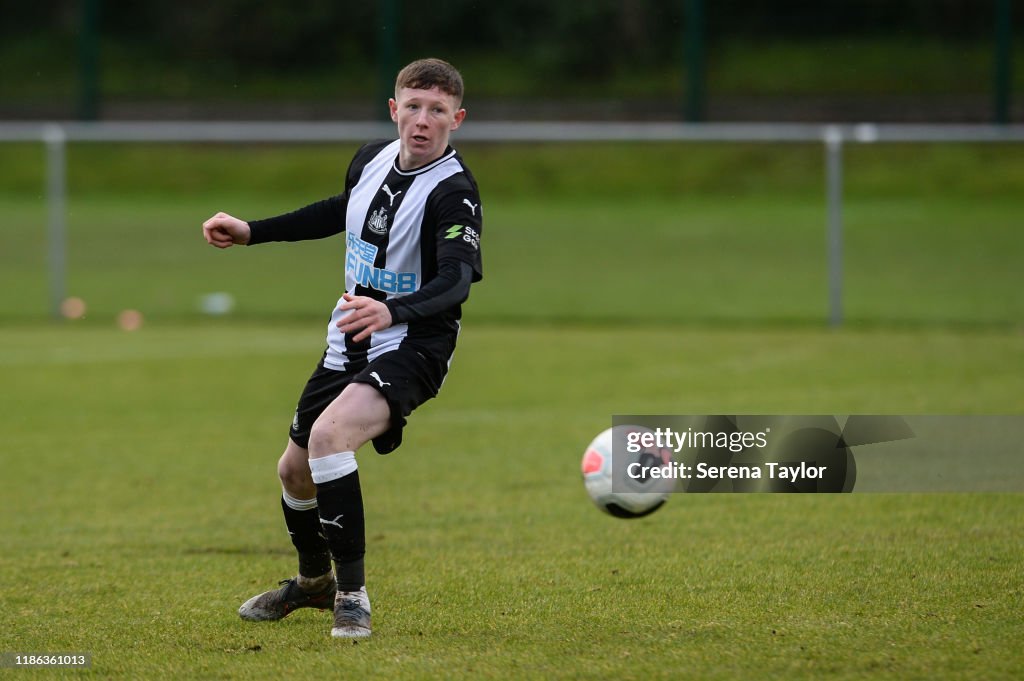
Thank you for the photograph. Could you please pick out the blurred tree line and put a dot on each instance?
(178, 49)
(592, 35)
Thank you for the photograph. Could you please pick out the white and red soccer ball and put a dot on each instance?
(623, 489)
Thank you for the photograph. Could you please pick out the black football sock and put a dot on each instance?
(341, 515)
(303, 521)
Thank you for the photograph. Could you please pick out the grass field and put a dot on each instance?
(141, 501)
(142, 509)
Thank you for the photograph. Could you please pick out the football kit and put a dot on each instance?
(412, 241)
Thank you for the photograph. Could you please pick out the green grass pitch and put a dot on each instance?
(142, 509)
(139, 490)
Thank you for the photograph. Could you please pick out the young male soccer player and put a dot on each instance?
(411, 213)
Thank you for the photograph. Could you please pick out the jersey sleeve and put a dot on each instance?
(449, 288)
(460, 225)
(315, 221)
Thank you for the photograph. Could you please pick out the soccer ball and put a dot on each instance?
(633, 496)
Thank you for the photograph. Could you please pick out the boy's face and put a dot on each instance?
(425, 119)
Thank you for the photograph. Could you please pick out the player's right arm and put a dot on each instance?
(315, 221)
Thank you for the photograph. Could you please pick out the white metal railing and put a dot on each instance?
(833, 136)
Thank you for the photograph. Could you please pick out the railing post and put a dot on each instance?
(56, 189)
(834, 193)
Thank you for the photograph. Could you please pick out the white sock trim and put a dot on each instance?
(333, 466)
(297, 504)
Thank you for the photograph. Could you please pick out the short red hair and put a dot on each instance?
(424, 74)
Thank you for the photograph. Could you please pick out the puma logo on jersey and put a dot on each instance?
(379, 379)
(391, 197)
(472, 206)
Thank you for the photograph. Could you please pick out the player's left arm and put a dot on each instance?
(459, 216)
(457, 221)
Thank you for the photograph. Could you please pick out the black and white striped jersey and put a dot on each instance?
(399, 227)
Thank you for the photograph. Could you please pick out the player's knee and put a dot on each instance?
(357, 416)
(339, 434)
(325, 438)
(294, 474)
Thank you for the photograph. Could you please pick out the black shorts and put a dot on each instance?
(406, 377)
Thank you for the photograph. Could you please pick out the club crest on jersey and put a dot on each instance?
(378, 222)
